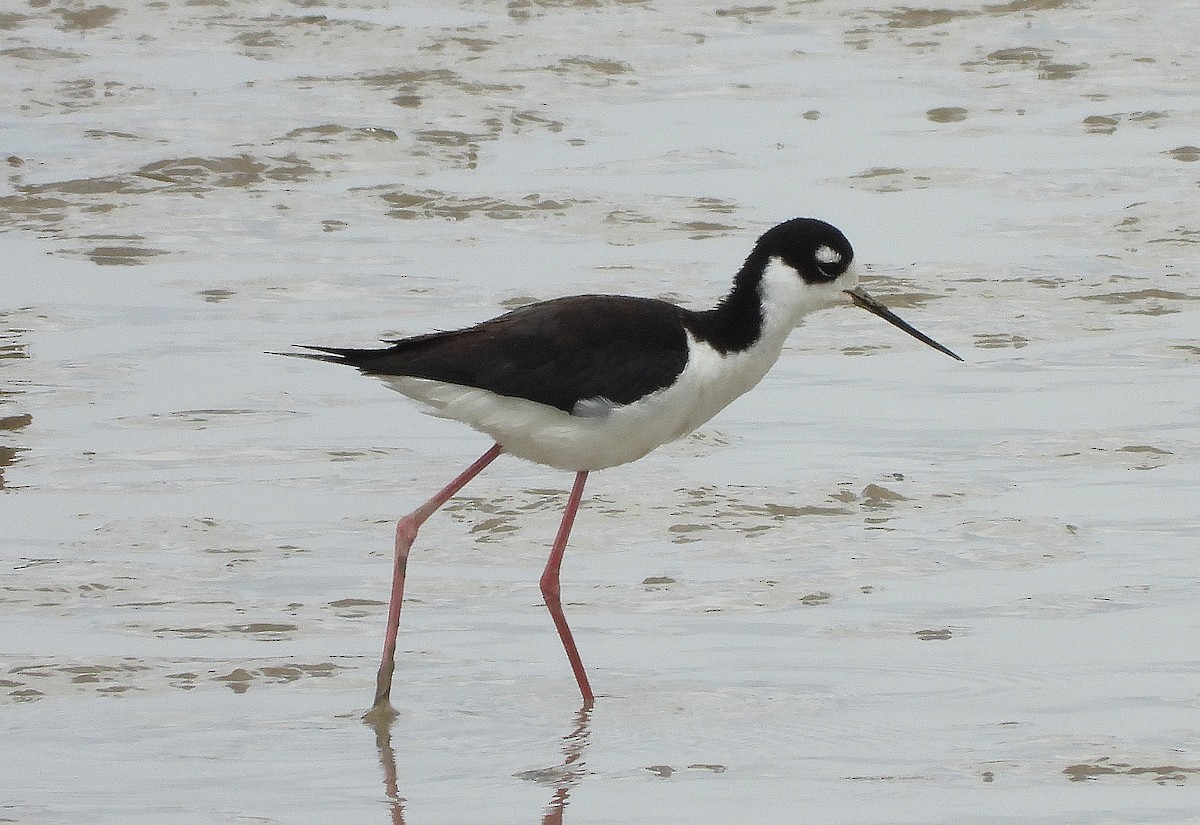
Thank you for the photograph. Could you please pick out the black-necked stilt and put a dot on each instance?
(592, 381)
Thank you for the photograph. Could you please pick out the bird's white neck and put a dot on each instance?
(786, 298)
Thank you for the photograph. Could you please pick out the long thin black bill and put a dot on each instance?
(862, 299)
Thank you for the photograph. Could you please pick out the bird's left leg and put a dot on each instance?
(550, 587)
(406, 533)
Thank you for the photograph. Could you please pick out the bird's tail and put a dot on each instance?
(334, 355)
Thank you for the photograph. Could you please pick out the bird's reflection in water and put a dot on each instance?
(382, 725)
(562, 777)
(566, 775)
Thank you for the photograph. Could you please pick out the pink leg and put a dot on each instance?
(550, 588)
(406, 532)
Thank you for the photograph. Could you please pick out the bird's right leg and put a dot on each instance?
(406, 532)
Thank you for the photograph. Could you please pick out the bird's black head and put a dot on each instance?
(823, 259)
(818, 251)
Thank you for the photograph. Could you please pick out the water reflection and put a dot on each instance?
(566, 775)
(382, 725)
(561, 778)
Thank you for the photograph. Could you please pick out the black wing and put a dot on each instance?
(556, 352)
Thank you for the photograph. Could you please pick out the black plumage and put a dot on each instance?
(557, 352)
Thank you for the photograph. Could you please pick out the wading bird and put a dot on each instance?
(588, 382)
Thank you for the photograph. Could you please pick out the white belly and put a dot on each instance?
(550, 436)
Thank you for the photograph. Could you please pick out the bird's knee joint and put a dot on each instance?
(406, 534)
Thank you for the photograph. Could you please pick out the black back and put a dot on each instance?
(557, 352)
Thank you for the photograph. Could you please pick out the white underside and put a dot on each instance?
(550, 436)
(603, 438)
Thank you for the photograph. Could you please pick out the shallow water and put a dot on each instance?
(883, 587)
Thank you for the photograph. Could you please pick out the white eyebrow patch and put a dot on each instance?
(827, 255)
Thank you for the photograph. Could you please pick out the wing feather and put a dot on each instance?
(558, 353)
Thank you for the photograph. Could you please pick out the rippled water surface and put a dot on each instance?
(884, 587)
